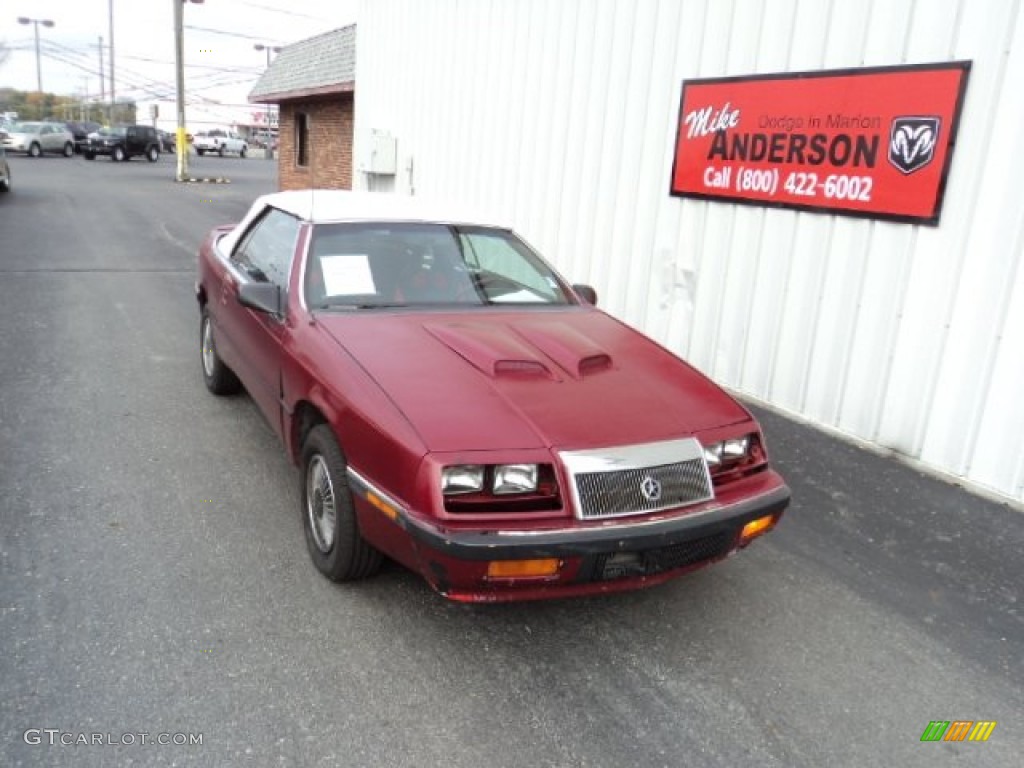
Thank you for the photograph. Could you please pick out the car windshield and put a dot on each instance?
(397, 264)
(117, 130)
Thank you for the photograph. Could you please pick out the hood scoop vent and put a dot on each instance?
(594, 364)
(521, 369)
(575, 353)
(492, 350)
(524, 350)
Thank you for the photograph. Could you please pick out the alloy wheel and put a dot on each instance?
(320, 503)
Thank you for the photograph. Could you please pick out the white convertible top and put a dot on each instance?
(321, 206)
(327, 205)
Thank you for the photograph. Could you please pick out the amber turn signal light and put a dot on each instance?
(755, 528)
(382, 505)
(520, 569)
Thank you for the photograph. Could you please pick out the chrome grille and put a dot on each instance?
(634, 480)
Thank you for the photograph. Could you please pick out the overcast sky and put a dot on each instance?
(221, 63)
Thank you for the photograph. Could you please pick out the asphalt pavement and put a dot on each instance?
(154, 577)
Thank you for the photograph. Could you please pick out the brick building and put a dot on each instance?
(313, 82)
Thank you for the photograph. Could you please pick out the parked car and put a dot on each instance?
(167, 141)
(5, 171)
(80, 131)
(454, 404)
(263, 139)
(220, 142)
(123, 142)
(35, 138)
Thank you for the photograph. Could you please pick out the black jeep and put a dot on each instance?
(122, 142)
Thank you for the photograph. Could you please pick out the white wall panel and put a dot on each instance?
(562, 115)
(981, 298)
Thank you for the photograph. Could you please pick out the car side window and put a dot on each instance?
(265, 252)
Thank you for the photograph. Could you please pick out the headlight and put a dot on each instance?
(727, 451)
(515, 478)
(735, 458)
(462, 478)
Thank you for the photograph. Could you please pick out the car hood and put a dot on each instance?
(496, 380)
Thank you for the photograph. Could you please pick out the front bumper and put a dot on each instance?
(455, 561)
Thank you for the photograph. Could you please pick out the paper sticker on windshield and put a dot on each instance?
(347, 274)
(522, 296)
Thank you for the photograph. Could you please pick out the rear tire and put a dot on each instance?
(34, 150)
(69, 149)
(117, 154)
(153, 154)
(242, 152)
(220, 150)
(219, 379)
(335, 543)
(89, 155)
(200, 152)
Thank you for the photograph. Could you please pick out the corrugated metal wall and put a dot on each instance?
(562, 114)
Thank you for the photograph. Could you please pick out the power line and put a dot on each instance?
(283, 13)
(260, 38)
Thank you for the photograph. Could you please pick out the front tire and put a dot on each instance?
(34, 150)
(335, 543)
(242, 153)
(219, 379)
(69, 149)
(200, 152)
(220, 151)
(117, 154)
(89, 155)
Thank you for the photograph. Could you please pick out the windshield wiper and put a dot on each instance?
(358, 305)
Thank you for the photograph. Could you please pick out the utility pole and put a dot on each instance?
(111, 7)
(181, 140)
(103, 86)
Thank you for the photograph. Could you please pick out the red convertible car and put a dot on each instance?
(455, 405)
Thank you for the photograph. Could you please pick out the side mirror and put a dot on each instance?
(586, 293)
(263, 297)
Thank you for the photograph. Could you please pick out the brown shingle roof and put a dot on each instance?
(323, 64)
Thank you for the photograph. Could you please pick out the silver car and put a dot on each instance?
(35, 138)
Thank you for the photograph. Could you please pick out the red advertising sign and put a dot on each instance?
(864, 142)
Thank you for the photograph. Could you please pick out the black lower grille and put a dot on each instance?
(623, 565)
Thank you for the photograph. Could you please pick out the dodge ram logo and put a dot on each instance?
(650, 488)
(912, 142)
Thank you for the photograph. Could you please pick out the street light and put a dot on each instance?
(36, 23)
(180, 142)
(268, 49)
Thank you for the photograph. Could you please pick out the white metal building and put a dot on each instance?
(563, 114)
